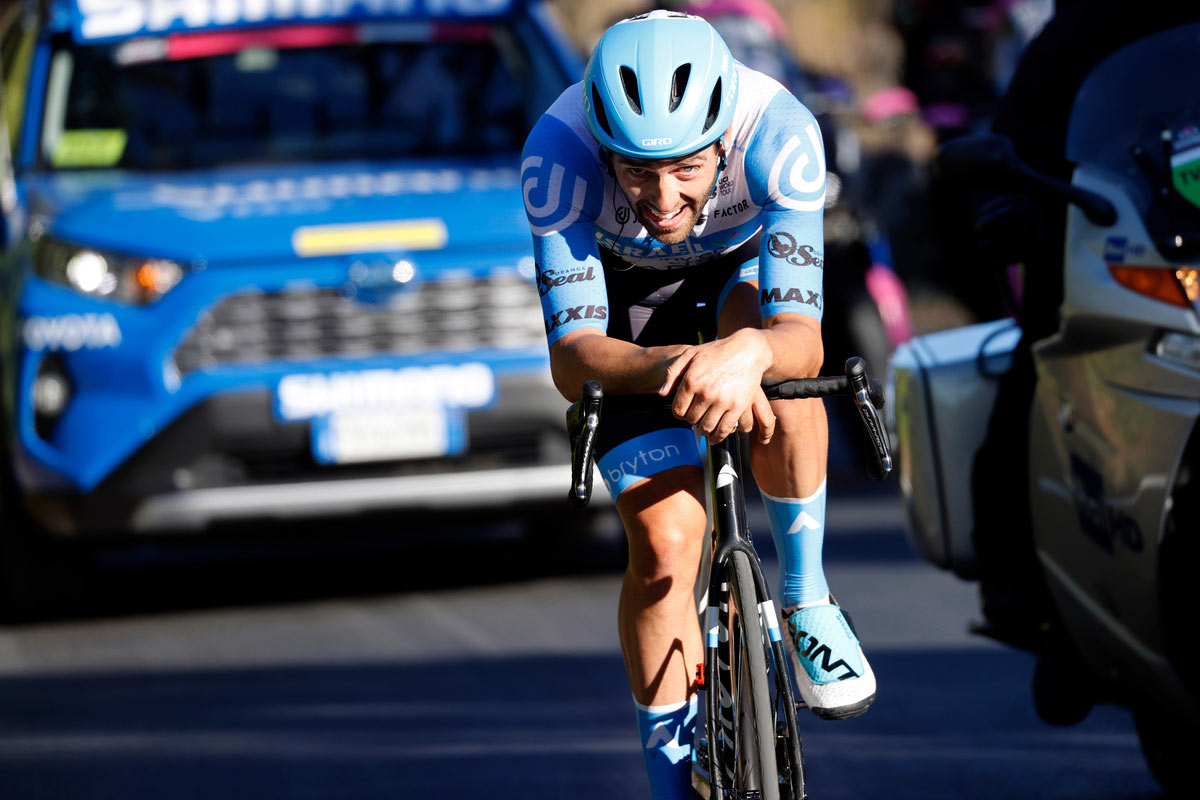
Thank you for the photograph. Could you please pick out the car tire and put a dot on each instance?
(1063, 692)
(1169, 748)
(39, 577)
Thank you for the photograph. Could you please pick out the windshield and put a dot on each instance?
(203, 100)
(1137, 117)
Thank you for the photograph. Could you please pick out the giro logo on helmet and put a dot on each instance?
(663, 142)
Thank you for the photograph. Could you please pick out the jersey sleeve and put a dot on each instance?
(785, 170)
(564, 190)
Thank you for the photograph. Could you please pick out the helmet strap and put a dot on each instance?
(720, 166)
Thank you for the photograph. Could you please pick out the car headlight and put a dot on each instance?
(102, 274)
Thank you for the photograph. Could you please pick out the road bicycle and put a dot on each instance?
(751, 747)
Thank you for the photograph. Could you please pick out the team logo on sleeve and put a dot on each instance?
(547, 279)
(797, 179)
(784, 247)
(548, 209)
(576, 314)
(790, 295)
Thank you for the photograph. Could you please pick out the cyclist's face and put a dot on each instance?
(668, 195)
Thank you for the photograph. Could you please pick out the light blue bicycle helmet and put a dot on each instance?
(659, 85)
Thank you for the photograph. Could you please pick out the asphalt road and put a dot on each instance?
(482, 666)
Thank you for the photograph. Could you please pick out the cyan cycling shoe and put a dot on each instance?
(834, 677)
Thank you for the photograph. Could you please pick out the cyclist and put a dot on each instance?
(675, 192)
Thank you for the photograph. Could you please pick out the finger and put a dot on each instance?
(675, 370)
(728, 425)
(686, 406)
(761, 407)
(689, 405)
(714, 424)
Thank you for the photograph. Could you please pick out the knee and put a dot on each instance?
(668, 551)
(664, 522)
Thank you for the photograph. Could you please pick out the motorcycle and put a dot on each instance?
(1113, 447)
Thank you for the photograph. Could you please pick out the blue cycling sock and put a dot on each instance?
(667, 733)
(798, 528)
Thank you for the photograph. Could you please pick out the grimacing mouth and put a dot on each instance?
(687, 216)
(691, 207)
(658, 217)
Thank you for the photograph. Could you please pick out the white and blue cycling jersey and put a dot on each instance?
(773, 182)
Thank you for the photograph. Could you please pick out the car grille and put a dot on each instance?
(300, 324)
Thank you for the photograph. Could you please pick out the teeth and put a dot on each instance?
(666, 217)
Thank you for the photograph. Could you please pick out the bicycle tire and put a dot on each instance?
(789, 762)
(752, 684)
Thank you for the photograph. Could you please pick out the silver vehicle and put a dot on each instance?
(1113, 450)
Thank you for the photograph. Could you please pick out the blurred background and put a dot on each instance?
(890, 79)
(232, 238)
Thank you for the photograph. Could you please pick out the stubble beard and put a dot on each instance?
(694, 212)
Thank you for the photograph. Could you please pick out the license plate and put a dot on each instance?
(348, 437)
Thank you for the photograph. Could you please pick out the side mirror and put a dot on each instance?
(991, 157)
(986, 156)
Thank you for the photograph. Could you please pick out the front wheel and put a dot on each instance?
(743, 739)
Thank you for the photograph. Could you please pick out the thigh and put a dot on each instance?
(637, 445)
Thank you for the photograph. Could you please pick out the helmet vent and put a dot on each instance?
(714, 106)
(630, 83)
(679, 83)
(598, 110)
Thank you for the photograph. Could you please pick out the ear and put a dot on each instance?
(606, 161)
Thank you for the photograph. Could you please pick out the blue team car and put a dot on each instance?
(268, 258)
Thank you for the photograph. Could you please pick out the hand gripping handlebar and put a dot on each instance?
(583, 419)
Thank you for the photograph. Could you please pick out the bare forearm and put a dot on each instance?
(621, 367)
(796, 347)
(789, 346)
